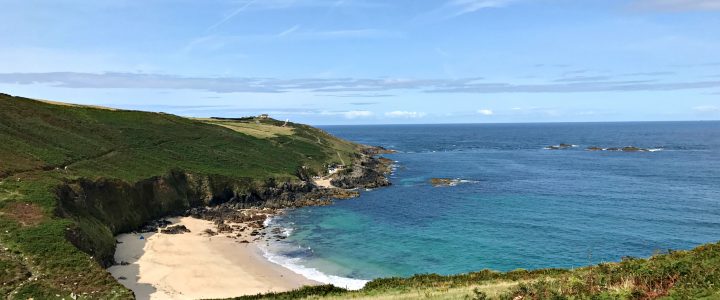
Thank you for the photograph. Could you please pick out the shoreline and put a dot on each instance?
(196, 265)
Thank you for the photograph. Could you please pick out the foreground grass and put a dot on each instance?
(45, 145)
(693, 274)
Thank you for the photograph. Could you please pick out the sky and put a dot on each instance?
(371, 61)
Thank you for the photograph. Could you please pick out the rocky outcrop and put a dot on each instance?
(441, 182)
(376, 150)
(367, 172)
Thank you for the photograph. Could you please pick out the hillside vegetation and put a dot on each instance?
(71, 177)
(693, 274)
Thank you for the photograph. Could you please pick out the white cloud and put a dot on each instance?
(485, 112)
(707, 109)
(678, 5)
(353, 114)
(404, 114)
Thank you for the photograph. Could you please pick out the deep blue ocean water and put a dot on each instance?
(522, 206)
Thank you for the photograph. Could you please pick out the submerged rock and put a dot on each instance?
(445, 182)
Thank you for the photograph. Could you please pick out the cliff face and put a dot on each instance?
(121, 207)
(106, 207)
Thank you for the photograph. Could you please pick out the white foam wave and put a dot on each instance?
(655, 149)
(293, 264)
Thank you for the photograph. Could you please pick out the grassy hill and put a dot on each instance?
(73, 176)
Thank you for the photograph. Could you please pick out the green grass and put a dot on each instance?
(46, 146)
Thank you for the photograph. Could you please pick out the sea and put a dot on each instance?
(515, 203)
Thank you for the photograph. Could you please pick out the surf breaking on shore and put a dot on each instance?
(271, 251)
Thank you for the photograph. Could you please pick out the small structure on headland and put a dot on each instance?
(263, 116)
(334, 168)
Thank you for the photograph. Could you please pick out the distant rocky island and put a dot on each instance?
(447, 182)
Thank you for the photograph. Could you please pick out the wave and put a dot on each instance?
(295, 264)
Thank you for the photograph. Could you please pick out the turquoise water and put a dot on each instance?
(521, 206)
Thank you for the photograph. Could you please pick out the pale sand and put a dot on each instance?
(323, 183)
(196, 266)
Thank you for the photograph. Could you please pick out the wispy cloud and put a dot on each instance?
(216, 41)
(462, 7)
(289, 31)
(583, 78)
(288, 4)
(363, 103)
(337, 86)
(350, 114)
(232, 14)
(358, 95)
(678, 5)
(454, 8)
(707, 109)
(405, 114)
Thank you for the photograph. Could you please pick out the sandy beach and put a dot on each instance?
(195, 265)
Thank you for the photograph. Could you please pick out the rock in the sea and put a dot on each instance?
(560, 147)
(633, 149)
(377, 150)
(177, 229)
(593, 148)
(628, 149)
(441, 182)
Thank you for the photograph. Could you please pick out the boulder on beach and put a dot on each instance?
(177, 229)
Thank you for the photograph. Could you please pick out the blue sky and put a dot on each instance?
(371, 61)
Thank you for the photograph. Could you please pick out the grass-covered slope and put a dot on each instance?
(74, 176)
(693, 274)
